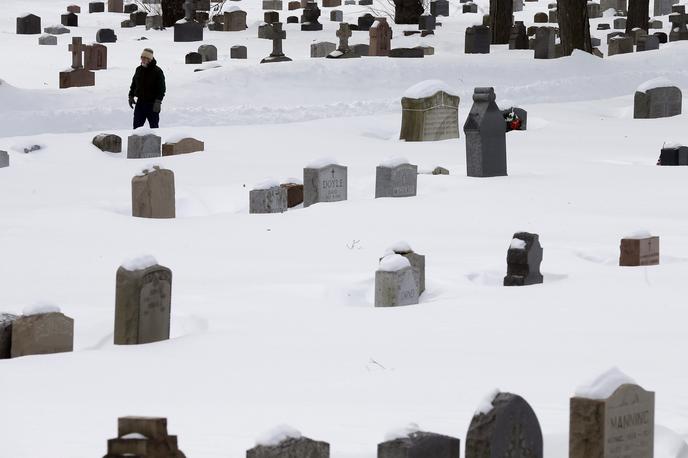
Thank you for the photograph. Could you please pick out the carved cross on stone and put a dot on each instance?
(344, 33)
(678, 20)
(77, 49)
(277, 35)
(190, 9)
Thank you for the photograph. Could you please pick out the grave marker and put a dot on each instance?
(29, 24)
(420, 444)
(291, 447)
(309, 18)
(396, 178)
(95, 57)
(106, 36)
(657, 98)
(523, 259)
(77, 76)
(6, 320)
(143, 145)
(639, 250)
(183, 146)
(143, 436)
(380, 34)
(152, 194)
(433, 116)
(42, 333)
(478, 39)
(268, 197)
(343, 51)
(188, 29)
(108, 142)
(276, 34)
(485, 131)
(395, 284)
(235, 20)
(324, 182)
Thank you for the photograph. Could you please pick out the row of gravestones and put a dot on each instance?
(619, 424)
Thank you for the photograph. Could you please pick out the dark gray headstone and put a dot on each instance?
(47, 40)
(143, 146)
(478, 39)
(407, 52)
(309, 18)
(324, 184)
(6, 320)
(69, 20)
(336, 15)
(518, 38)
(106, 36)
(523, 259)
(208, 53)
(96, 7)
(301, 447)
(152, 194)
(672, 155)
(469, 7)
(29, 24)
(661, 36)
(485, 131)
(193, 58)
(544, 43)
(420, 444)
(365, 22)
(439, 8)
(658, 102)
(4, 159)
(130, 8)
(238, 52)
(427, 22)
(396, 181)
(108, 142)
(647, 43)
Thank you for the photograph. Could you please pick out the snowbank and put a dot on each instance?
(398, 247)
(40, 308)
(654, 84)
(139, 263)
(428, 88)
(604, 385)
(393, 263)
(401, 432)
(277, 434)
(485, 405)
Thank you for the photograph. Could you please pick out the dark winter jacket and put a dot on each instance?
(148, 83)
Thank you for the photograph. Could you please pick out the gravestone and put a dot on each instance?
(77, 76)
(416, 260)
(523, 259)
(617, 5)
(292, 20)
(439, 8)
(518, 39)
(294, 5)
(309, 18)
(145, 437)
(621, 425)
(647, 43)
(427, 22)
(655, 24)
(130, 8)
(301, 447)
(331, 3)
(365, 22)
(106, 36)
(396, 180)
(56, 30)
(361, 49)
(115, 6)
(679, 21)
(619, 23)
(29, 24)
(639, 251)
(294, 194)
(276, 34)
(152, 194)
(193, 58)
(636, 34)
(594, 10)
(208, 53)
(154, 22)
(516, 5)
(96, 7)
(127, 24)
(238, 52)
(138, 18)
(272, 5)
(603, 26)
(544, 43)
(380, 34)
(41, 334)
(509, 428)
(662, 7)
(669, 155)
(478, 39)
(95, 57)
(142, 303)
(47, 40)
(188, 29)
(660, 100)
(661, 37)
(420, 444)
(553, 15)
(235, 21)
(69, 20)
(540, 18)
(407, 11)
(336, 15)
(184, 146)
(6, 320)
(326, 183)
(74, 9)
(322, 48)
(469, 7)
(268, 198)
(485, 136)
(270, 16)
(108, 142)
(431, 118)
(395, 284)
(365, 2)
(343, 51)
(140, 146)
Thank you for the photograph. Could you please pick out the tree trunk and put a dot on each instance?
(638, 11)
(407, 11)
(574, 26)
(172, 11)
(501, 19)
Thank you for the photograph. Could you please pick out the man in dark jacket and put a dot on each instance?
(148, 86)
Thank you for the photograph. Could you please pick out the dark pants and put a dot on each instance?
(144, 111)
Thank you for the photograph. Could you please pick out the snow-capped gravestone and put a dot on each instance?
(77, 76)
(640, 249)
(324, 181)
(276, 34)
(268, 197)
(145, 437)
(47, 40)
(188, 29)
(416, 260)
(6, 320)
(380, 34)
(69, 20)
(29, 24)
(294, 193)
(620, 45)
(430, 112)
(309, 18)
(184, 145)
(235, 20)
(95, 57)
(142, 144)
(142, 302)
(343, 51)
(671, 154)
(4, 159)
(657, 98)
(395, 284)
(152, 194)
(485, 131)
(419, 444)
(106, 36)
(42, 330)
(208, 52)
(504, 425)
(109, 143)
(286, 442)
(396, 178)
(478, 38)
(612, 418)
(523, 260)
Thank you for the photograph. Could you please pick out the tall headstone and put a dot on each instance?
(396, 179)
(142, 145)
(41, 334)
(152, 194)
(657, 99)
(380, 37)
(518, 38)
(143, 436)
(544, 43)
(485, 131)
(28, 24)
(478, 39)
(679, 23)
(639, 251)
(324, 183)
(420, 444)
(77, 76)
(188, 29)
(309, 18)
(523, 259)
(395, 284)
(430, 118)
(276, 34)
(142, 302)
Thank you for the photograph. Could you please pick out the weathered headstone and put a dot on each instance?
(365, 22)
(69, 20)
(42, 333)
(485, 131)
(662, 7)
(324, 183)
(640, 250)
(276, 34)
(619, 23)
(96, 7)
(429, 113)
(6, 320)
(322, 48)
(647, 43)
(657, 98)
(142, 302)
(671, 154)
(419, 444)
(301, 447)
(108, 142)
(138, 17)
(544, 43)
(56, 30)
(293, 5)
(154, 22)
(143, 436)
(238, 52)
(594, 10)
(193, 58)
(152, 194)
(416, 260)
(143, 145)
(439, 8)
(47, 40)
(270, 16)
(523, 259)
(77, 76)
(272, 5)
(183, 146)
(518, 39)
(235, 20)
(106, 36)
(478, 39)
(380, 37)
(395, 284)
(208, 53)
(115, 6)
(396, 179)
(28, 24)
(188, 29)
(336, 15)
(95, 57)
(620, 45)
(268, 197)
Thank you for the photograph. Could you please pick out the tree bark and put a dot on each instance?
(172, 11)
(574, 26)
(407, 11)
(501, 20)
(638, 11)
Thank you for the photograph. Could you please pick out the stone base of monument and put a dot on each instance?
(188, 31)
(271, 59)
(77, 78)
(406, 52)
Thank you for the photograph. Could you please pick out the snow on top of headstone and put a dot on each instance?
(485, 405)
(336, 53)
(266, 184)
(139, 263)
(141, 131)
(277, 434)
(639, 234)
(654, 83)
(292, 180)
(428, 88)
(230, 8)
(518, 244)
(398, 247)
(672, 144)
(177, 137)
(604, 385)
(39, 308)
(23, 15)
(394, 161)
(133, 436)
(393, 263)
(322, 162)
(402, 431)
(609, 12)
(375, 24)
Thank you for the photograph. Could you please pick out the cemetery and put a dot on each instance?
(428, 229)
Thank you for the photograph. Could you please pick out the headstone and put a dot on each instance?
(485, 136)
(326, 183)
(95, 57)
(294, 194)
(331, 3)
(238, 52)
(140, 146)
(322, 48)
(96, 7)
(188, 29)
(47, 40)
(154, 22)
(276, 35)
(301, 447)
(669, 155)
(138, 17)
(478, 39)
(544, 43)
(106, 36)
(295, 5)
(380, 34)
(292, 20)
(416, 260)
(594, 10)
(41, 334)
(395, 284)
(618, 5)
(603, 26)
(396, 180)
(440, 171)
(518, 39)
(360, 49)
(639, 251)
(343, 51)
(193, 58)
(6, 320)
(270, 16)
(184, 146)
(130, 8)
(553, 16)
(336, 16)
(508, 427)
(76, 9)
(69, 20)
(619, 23)
(636, 34)
(268, 198)
(235, 21)
(407, 11)
(427, 22)
(29, 24)
(661, 37)
(152, 194)
(202, 5)
(115, 6)
(272, 5)
(420, 444)
(407, 52)
(142, 302)
(109, 143)
(365, 22)
(540, 18)
(439, 8)
(523, 260)
(143, 436)
(430, 118)
(77, 76)
(660, 100)
(647, 43)
(365, 2)
(517, 5)
(208, 53)
(309, 18)
(679, 21)
(469, 7)
(56, 30)
(662, 7)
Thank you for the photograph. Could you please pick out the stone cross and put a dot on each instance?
(277, 35)
(189, 8)
(344, 33)
(678, 20)
(77, 49)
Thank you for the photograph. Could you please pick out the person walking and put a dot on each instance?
(148, 87)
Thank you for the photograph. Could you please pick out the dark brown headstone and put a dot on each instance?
(639, 251)
(6, 320)
(152, 194)
(294, 194)
(143, 437)
(183, 146)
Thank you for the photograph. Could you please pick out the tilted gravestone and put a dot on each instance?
(420, 444)
(523, 259)
(416, 260)
(41, 334)
(29, 24)
(152, 194)
(143, 436)
(478, 39)
(395, 284)
(380, 34)
(77, 76)
(143, 145)
(301, 447)
(268, 197)
(294, 194)
(507, 427)
(396, 179)
(6, 320)
(657, 99)
(182, 146)
(106, 36)
(238, 52)
(485, 131)
(49, 40)
(142, 302)
(641, 250)
(324, 183)
(671, 154)
(4, 159)
(108, 142)
(430, 117)
(322, 49)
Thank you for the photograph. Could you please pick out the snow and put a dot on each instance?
(517, 244)
(654, 83)
(638, 234)
(293, 180)
(672, 144)
(428, 88)
(321, 162)
(485, 405)
(40, 308)
(227, 8)
(139, 262)
(604, 385)
(142, 131)
(399, 247)
(336, 53)
(394, 161)
(393, 263)
(277, 434)
(266, 184)
(177, 137)
(402, 432)
(132, 436)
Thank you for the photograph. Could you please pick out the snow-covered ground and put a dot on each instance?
(272, 315)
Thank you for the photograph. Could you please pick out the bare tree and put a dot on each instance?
(638, 11)
(501, 19)
(574, 26)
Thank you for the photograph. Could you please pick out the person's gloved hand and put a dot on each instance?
(131, 102)
(156, 106)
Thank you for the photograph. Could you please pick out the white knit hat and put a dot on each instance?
(147, 53)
